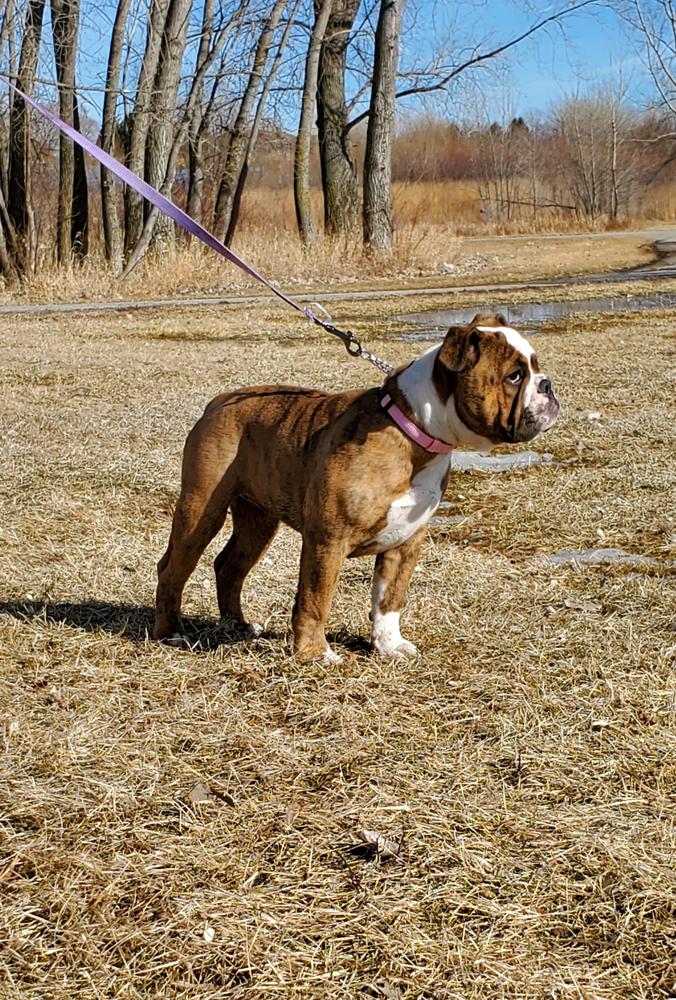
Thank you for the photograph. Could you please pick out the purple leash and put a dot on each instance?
(182, 218)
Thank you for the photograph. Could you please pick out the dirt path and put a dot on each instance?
(663, 244)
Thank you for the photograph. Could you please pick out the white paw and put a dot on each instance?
(403, 649)
(330, 657)
(252, 630)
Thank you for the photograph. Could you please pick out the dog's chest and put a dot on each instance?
(414, 508)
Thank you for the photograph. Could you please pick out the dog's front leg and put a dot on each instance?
(390, 584)
(320, 564)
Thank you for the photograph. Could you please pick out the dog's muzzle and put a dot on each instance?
(541, 412)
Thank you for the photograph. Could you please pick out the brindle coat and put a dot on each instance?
(328, 466)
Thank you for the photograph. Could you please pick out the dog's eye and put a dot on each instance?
(514, 377)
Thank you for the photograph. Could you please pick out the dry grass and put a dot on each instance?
(280, 256)
(524, 765)
(457, 205)
(424, 255)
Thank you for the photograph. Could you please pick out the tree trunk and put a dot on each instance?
(133, 202)
(7, 34)
(79, 232)
(301, 163)
(195, 133)
(6, 40)
(179, 137)
(241, 129)
(111, 221)
(378, 157)
(18, 202)
(339, 174)
(163, 108)
(614, 184)
(255, 128)
(8, 268)
(71, 218)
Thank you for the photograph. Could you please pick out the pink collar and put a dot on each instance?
(411, 430)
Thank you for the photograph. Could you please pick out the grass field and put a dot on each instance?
(192, 825)
(423, 255)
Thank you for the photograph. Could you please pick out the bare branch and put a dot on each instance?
(480, 57)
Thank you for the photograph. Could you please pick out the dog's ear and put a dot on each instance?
(460, 349)
(489, 319)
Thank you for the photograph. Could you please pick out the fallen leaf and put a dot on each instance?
(588, 606)
(391, 992)
(374, 845)
(209, 934)
(200, 793)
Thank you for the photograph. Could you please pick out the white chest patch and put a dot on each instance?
(414, 509)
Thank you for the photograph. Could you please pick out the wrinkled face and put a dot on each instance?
(499, 391)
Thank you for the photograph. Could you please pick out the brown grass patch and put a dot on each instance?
(182, 824)
(424, 255)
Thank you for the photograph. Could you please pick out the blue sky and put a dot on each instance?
(587, 48)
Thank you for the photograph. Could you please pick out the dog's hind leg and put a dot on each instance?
(252, 531)
(197, 519)
(390, 584)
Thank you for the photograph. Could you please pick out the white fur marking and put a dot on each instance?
(386, 637)
(329, 657)
(414, 508)
(513, 337)
(520, 344)
(438, 420)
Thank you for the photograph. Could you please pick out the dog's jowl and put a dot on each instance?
(356, 473)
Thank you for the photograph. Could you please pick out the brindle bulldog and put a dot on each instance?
(356, 473)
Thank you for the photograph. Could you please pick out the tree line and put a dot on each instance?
(591, 159)
(186, 88)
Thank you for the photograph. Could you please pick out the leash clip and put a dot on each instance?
(354, 346)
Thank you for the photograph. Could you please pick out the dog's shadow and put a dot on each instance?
(135, 622)
(128, 621)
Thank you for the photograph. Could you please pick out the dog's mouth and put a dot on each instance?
(534, 422)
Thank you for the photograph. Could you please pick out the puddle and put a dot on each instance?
(596, 557)
(446, 520)
(526, 315)
(472, 461)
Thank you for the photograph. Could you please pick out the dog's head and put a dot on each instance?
(493, 375)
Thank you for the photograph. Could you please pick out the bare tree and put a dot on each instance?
(340, 183)
(179, 137)
(19, 216)
(8, 58)
(653, 22)
(241, 129)
(435, 77)
(163, 116)
(140, 121)
(378, 156)
(257, 122)
(111, 221)
(72, 212)
(599, 156)
(195, 128)
(301, 162)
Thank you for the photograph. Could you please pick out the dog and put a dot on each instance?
(357, 473)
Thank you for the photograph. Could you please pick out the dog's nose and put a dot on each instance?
(546, 387)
